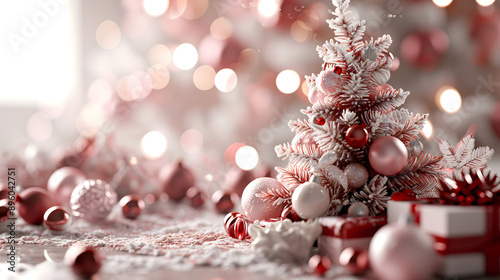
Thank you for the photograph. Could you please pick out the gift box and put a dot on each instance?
(340, 233)
(466, 237)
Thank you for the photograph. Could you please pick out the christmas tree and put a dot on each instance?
(355, 141)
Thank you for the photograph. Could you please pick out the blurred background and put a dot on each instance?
(214, 82)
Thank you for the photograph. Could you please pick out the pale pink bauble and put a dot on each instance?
(62, 182)
(303, 139)
(329, 82)
(388, 155)
(315, 95)
(93, 200)
(310, 200)
(402, 252)
(257, 208)
(356, 175)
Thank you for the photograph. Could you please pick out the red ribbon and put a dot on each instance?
(355, 227)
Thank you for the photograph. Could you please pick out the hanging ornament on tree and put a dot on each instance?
(57, 218)
(416, 147)
(83, 260)
(356, 136)
(358, 209)
(310, 199)
(132, 205)
(389, 257)
(93, 200)
(303, 139)
(314, 95)
(236, 225)
(329, 81)
(62, 182)
(33, 203)
(176, 180)
(255, 206)
(356, 175)
(388, 155)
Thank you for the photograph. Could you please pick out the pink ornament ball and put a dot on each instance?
(93, 200)
(388, 155)
(402, 252)
(315, 95)
(303, 139)
(62, 182)
(329, 82)
(254, 206)
(356, 175)
(32, 204)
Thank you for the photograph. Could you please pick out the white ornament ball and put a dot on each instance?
(356, 175)
(93, 200)
(310, 200)
(329, 82)
(315, 95)
(254, 206)
(402, 252)
(358, 209)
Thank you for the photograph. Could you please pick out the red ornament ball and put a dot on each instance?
(356, 136)
(57, 218)
(83, 260)
(388, 155)
(4, 215)
(224, 202)
(132, 206)
(236, 225)
(319, 264)
(196, 197)
(354, 260)
(62, 182)
(176, 180)
(33, 203)
(321, 121)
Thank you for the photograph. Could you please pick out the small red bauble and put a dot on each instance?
(319, 264)
(321, 121)
(224, 201)
(356, 136)
(176, 180)
(196, 197)
(236, 225)
(33, 203)
(354, 260)
(56, 218)
(132, 206)
(83, 260)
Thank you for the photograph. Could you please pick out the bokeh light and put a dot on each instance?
(427, 130)
(185, 56)
(288, 81)
(305, 88)
(159, 54)
(100, 91)
(203, 77)
(226, 80)
(108, 35)
(221, 28)
(155, 8)
(39, 127)
(448, 99)
(247, 158)
(268, 8)
(230, 152)
(90, 118)
(134, 87)
(195, 9)
(485, 3)
(159, 76)
(191, 141)
(153, 144)
(301, 31)
(442, 3)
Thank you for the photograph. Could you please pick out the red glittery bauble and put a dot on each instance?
(132, 206)
(355, 260)
(56, 218)
(356, 136)
(224, 202)
(176, 180)
(236, 225)
(33, 203)
(319, 264)
(83, 260)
